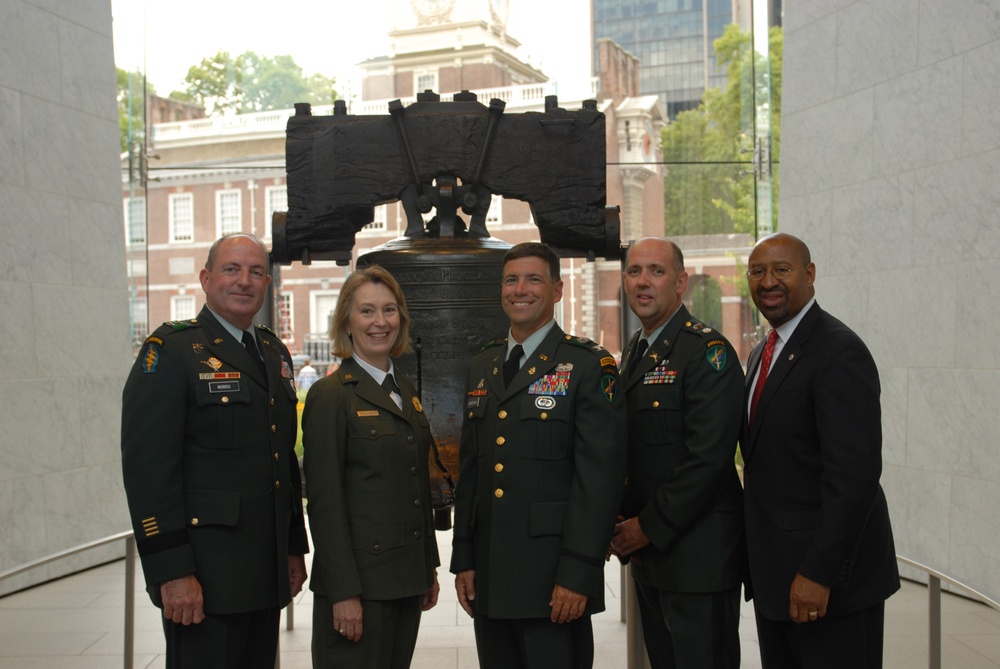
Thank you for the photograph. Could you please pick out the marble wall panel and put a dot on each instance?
(876, 42)
(912, 319)
(827, 146)
(846, 298)
(35, 244)
(22, 520)
(981, 100)
(976, 314)
(948, 28)
(917, 118)
(803, 12)
(91, 14)
(98, 252)
(48, 130)
(93, 492)
(41, 428)
(85, 87)
(975, 542)
(100, 419)
(920, 513)
(952, 422)
(810, 218)
(810, 81)
(872, 226)
(894, 410)
(95, 350)
(955, 210)
(30, 64)
(11, 143)
(17, 331)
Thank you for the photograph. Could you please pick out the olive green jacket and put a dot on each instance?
(366, 464)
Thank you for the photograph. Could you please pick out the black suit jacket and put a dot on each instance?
(685, 402)
(209, 467)
(813, 458)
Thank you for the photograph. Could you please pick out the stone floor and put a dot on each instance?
(76, 623)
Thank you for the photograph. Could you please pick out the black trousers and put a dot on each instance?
(684, 630)
(853, 640)
(234, 641)
(534, 643)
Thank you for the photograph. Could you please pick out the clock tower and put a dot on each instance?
(447, 46)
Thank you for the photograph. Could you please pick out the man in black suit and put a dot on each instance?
(208, 432)
(683, 515)
(821, 555)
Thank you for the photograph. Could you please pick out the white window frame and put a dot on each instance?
(179, 223)
(287, 333)
(317, 326)
(494, 217)
(182, 307)
(275, 199)
(139, 317)
(378, 225)
(227, 222)
(135, 220)
(432, 75)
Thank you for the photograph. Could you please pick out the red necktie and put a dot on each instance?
(765, 364)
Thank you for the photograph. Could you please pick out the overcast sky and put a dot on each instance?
(324, 37)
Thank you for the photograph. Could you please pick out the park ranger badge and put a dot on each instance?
(716, 355)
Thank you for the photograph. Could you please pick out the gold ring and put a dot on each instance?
(342, 631)
(813, 614)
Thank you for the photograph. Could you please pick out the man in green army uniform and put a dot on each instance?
(542, 462)
(683, 505)
(208, 431)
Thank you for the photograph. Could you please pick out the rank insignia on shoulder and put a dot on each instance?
(178, 325)
(151, 359)
(716, 356)
(266, 329)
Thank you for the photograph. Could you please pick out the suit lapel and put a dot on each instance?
(791, 354)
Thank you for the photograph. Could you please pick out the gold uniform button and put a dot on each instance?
(498, 468)
(225, 399)
(498, 493)
(544, 415)
(470, 414)
(502, 414)
(656, 403)
(272, 401)
(274, 428)
(501, 441)
(194, 521)
(277, 484)
(275, 457)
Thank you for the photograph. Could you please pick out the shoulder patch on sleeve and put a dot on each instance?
(716, 355)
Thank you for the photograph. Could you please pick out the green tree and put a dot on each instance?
(709, 187)
(251, 83)
(131, 93)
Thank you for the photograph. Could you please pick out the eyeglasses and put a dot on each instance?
(779, 273)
